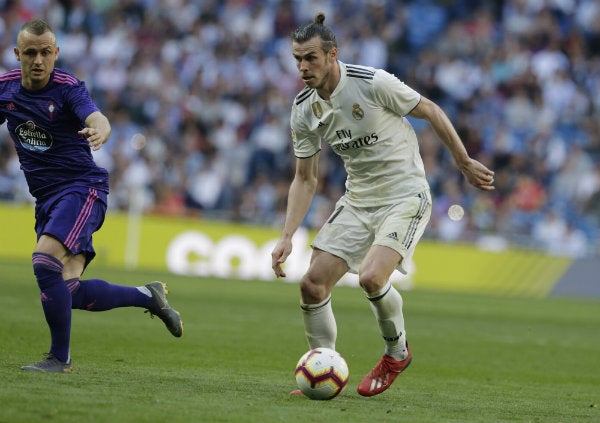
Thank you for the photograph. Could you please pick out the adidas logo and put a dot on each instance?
(393, 235)
(321, 124)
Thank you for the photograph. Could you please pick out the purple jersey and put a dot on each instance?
(43, 125)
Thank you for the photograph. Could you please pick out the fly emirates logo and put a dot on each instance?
(348, 143)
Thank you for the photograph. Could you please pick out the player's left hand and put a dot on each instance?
(479, 175)
(93, 137)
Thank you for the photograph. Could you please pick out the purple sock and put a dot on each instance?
(99, 295)
(56, 302)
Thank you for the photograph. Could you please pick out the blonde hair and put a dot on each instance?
(36, 27)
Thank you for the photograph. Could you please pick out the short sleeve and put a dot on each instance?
(306, 143)
(81, 101)
(394, 94)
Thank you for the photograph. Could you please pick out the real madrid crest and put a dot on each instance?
(317, 110)
(357, 112)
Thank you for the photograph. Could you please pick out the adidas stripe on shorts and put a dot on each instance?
(350, 231)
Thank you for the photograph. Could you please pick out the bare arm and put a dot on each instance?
(97, 130)
(301, 193)
(476, 173)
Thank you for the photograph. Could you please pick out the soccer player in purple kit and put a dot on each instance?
(54, 124)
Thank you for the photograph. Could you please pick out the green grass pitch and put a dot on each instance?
(476, 358)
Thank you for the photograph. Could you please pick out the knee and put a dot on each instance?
(312, 292)
(370, 281)
(78, 294)
(73, 267)
(47, 270)
(69, 273)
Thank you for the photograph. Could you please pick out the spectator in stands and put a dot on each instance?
(531, 69)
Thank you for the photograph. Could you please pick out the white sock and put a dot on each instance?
(319, 324)
(387, 307)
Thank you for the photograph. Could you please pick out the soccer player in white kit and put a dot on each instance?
(360, 112)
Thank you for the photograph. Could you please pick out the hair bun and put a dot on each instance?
(320, 18)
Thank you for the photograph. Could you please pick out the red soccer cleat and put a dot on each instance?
(383, 374)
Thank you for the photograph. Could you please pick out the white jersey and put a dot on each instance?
(364, 124)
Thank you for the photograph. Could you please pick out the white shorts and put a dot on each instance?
(351, 231)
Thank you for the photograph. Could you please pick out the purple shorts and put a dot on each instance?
(72, 217)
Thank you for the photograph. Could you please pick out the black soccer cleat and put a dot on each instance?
(160, 307)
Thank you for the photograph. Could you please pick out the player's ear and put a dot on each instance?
(333, 53)
(17, 55)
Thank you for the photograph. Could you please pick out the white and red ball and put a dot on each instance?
(321, 373)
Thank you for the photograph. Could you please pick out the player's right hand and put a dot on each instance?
(279, 255)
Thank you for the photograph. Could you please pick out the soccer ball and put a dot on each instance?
(321, 373)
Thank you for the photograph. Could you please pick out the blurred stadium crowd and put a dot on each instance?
(199, 95)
